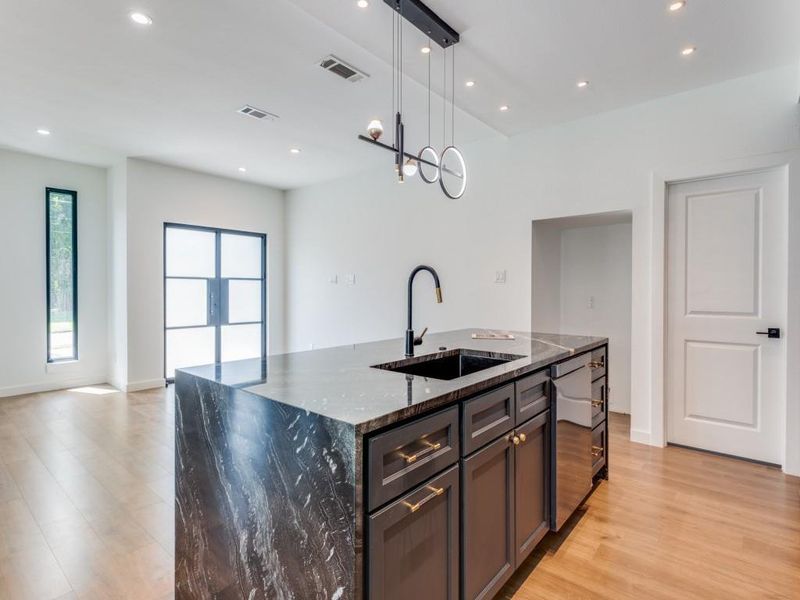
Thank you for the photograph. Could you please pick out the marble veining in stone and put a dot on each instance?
(340, 383)
(265, 498)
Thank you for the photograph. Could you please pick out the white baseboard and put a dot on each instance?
(49, 386)
(149, 384)
(639, 436)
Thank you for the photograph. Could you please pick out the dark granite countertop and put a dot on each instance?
(340, 384)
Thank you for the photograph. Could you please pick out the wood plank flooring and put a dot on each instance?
(86, 511)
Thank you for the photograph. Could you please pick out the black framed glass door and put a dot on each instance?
(215, 290)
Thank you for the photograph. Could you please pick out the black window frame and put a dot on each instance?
(74, 194)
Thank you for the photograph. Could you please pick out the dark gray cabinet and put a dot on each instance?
(487, 523)
(531, 484)
(458, 499)
(505, 506)
(414, 543)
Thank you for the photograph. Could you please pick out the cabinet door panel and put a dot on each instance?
(414, 544)
(488, 519)
(532, 484)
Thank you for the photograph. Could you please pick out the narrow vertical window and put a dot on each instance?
(61, 237)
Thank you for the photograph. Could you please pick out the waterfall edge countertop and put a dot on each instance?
(340, 383)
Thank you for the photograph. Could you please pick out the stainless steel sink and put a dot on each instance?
(449, 364)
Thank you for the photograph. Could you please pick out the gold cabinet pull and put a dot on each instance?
(515, 439)
(522, 437)
(597, 451)
(434, 492)
(596, 364)
(431, 447)
(597, 403)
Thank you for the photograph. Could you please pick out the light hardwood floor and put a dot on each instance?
(86, 512)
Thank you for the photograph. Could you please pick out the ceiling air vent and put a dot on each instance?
(257, 113)
(342, 69)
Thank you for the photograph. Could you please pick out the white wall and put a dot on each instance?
(157, 194)
(546, 277)
(117, 276)
(370, 226)
(596, 263)
(23, 302)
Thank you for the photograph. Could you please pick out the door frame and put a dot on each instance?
(219, 231)
(661, 179)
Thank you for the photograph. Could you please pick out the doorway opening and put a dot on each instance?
(581, 284)
(215, 296)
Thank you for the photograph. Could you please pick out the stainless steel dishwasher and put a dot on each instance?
(572, 468)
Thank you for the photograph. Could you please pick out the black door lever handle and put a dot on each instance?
(771, 332)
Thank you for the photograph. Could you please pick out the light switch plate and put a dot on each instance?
(349, 278)
(333, 278)
(500, 276)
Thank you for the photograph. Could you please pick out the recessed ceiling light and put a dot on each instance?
(43, 131)
(425, 49)
(677, 5)
(362, 4)
(583, 84)
(294, 150)
(503, 108)
(470, 83)
(141, 18)
(688, 51)
(242, 170)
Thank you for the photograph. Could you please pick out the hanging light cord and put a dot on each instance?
(453, 98)
(429, 91)
(444, 98)
(394, 73)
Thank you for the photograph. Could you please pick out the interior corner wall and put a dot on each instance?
(596, 297)
(117, 275)
(157, 194)
(546, 277)
(23, 303)
(370, 227)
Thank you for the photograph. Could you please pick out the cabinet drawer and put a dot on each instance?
(406, 456)
(598, 363)
(598, 447)
(487, 417)
(532, 396)
(413, 544)
(599, 399)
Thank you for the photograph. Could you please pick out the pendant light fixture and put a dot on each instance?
(449, 168)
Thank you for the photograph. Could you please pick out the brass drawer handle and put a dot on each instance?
(522, 437)
(596, 364)
(435, 492)
(597, 451)
(597, 403)
(512, 438)
(411, 458)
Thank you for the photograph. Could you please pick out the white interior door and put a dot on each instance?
(727, 258)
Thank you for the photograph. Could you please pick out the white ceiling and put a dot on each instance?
(107, 88)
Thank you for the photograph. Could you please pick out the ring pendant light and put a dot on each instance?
(449, 168)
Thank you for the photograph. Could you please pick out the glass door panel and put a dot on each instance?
(187, 302)
(241, 341)
(190, 347)
(244, 301)
(241, 256)
(190, 253)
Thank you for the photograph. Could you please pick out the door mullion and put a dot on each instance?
(218, 290)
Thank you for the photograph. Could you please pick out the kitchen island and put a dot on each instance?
(317, 475)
